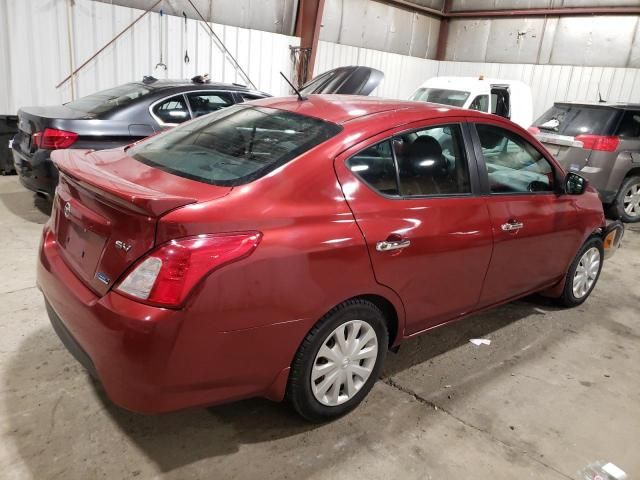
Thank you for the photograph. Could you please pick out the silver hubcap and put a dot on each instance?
(631, 201)
(586, 273)
(344, 362)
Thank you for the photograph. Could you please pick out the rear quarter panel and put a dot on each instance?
(312, 255)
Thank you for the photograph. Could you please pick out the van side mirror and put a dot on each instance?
(574, 184)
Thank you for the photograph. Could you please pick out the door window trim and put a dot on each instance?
(157, 102)
(468, 150)
(233, 94)
(483, 172)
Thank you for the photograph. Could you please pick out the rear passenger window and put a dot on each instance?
(629, 125)
(513, 164)
(207, 102)
(376, 167)
(432, 162)
(172, 110)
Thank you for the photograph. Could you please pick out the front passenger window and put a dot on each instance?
(513, 164)
(207, 102)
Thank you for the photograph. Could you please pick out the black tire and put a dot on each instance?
(617, 208)
(299, 391)
(568, 298)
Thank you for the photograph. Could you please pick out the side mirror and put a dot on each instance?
(574, 184)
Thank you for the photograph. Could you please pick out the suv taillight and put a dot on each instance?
(52, 139)
(167, 275)
(598, 142)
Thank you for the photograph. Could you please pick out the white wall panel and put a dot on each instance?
(35, 53)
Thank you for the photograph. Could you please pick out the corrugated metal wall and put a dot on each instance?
(276, 16)
(462, 5)
(549, 83)
(35, 53)
(602, 40)
(378, 26)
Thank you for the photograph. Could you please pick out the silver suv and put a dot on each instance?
(601, 142)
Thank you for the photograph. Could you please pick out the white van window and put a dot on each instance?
(455, 98)
(480, 103)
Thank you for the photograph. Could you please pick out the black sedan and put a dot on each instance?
(110, 119)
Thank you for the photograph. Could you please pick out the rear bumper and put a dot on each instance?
(37, 172)
(148, 359)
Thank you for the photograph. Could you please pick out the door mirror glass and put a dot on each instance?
(574, 184)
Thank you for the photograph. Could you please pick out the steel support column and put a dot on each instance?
(443, 35)
(308, 29)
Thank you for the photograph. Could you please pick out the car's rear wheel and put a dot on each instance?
(338, 361)
(627, 204)
(583, 273)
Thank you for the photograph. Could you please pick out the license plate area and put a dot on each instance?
(81, 246)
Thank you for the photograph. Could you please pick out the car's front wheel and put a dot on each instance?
(583, 273)
(338, 361)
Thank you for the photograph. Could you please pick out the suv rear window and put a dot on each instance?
(107, 100)
(573, 120)
(455, 98)
(234, 146)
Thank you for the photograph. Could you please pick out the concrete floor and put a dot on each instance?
(555, 391)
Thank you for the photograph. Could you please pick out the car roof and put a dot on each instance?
(618, 105)
(159, 85)
(341, 109)
(458, 83)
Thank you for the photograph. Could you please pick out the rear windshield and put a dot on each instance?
(107, 100)
(573, 120)
(234, 146)
(455, 98)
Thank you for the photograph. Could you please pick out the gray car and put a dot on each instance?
(112, 118)
(601, 142)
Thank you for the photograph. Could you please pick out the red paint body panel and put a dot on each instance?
(241, 326)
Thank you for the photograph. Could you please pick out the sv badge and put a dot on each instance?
(120, 245)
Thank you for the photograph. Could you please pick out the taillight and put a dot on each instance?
(52, 139)
(167, 275)
(599, 142)
(533, 130)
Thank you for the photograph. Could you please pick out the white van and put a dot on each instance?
(508, 98)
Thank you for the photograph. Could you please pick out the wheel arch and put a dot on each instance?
(634, 172)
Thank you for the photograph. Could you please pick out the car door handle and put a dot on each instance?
(387, 245)
(512, 225)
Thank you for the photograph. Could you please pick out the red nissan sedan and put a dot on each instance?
(280, 248)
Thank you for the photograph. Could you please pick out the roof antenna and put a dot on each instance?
(600, 99)
(300, 96)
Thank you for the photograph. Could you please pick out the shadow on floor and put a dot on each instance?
(26, 205)
(174, 440)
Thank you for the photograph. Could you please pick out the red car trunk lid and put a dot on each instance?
(104, 219)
